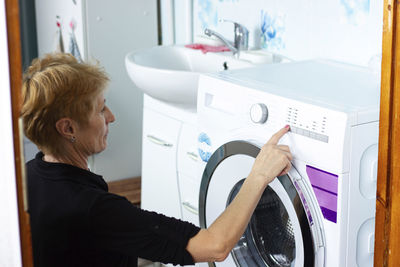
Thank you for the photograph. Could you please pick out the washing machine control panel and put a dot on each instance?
(305, 120)
(308, 121)
(259, 113)
(309, 133)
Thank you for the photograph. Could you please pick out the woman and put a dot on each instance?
(74, 220)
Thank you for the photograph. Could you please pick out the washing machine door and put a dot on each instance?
(285, 229)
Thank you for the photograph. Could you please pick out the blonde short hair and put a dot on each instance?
(54, 87)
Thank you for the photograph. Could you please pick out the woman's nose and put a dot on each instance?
(110, 116)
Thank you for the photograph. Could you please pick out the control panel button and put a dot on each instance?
(259, 113)
(317, 136)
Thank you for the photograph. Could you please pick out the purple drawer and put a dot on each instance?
(326, 199)
(322, 179)
(325, 186)
(327, 203)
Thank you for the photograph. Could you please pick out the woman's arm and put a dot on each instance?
(215, 243)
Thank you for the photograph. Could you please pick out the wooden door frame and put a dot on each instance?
(387, 229)
(15, 65)
(387, 223)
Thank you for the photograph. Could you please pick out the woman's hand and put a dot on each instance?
(273, 159)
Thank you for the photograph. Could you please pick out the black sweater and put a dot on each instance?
(76, 222)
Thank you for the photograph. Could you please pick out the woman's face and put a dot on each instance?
(92, 138)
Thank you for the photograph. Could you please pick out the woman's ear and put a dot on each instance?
(66, 128)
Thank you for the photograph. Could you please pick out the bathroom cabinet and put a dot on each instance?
(171, 165)
(170, 161)
(160, 191)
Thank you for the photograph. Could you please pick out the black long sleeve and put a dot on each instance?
(76, 222)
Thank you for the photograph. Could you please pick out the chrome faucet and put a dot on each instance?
(241, 37)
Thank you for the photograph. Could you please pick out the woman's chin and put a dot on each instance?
(100, 149)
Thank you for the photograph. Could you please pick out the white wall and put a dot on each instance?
(10, 254)
(46, 12)
(115, 28)
(343, 30)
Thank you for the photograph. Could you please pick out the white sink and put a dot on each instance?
(170, 73)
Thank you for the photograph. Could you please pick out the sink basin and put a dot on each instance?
(170, 73)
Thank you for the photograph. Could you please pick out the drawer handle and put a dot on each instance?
(158, 141)
(193, 156)
(190, 207)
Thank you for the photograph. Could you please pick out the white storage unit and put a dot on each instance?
(170, 163)
(160, 191)
(107, 31)
(169, 146)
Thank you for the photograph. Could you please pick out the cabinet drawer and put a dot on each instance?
(159, 175)
(189, 189)
(188, 160)
(160, 128)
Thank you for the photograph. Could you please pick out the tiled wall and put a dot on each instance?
(343, 30)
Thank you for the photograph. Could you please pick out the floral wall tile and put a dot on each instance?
(272, 31)
(207, 14)
(355, 11)
(343, 30)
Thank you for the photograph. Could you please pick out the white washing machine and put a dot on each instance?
(322, 214)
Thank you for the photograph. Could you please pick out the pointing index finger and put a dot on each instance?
(278, 135)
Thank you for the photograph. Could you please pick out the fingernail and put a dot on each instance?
(287, 126)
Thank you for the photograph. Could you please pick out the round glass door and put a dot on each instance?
(281, 231)
(272, 236)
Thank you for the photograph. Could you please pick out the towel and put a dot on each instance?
(73, 45)
(208, 48)
(58, 42)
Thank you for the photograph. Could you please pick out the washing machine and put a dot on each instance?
(322, 213)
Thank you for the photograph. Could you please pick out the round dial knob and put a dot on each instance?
(259, 113)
